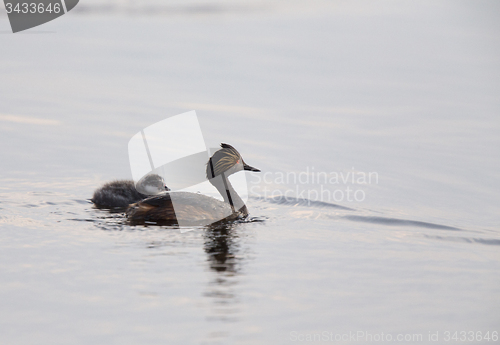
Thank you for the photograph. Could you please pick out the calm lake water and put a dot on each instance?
(378, 120)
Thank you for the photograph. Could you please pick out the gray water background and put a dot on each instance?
(406, 90)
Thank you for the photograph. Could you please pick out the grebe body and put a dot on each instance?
(191, 208)
(194, 208)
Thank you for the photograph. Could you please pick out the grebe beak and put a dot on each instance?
(250, 168)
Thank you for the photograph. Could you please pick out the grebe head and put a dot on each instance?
(227, 160)
(151, 184)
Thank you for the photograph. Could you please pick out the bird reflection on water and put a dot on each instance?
(221, 247)
(222, 244)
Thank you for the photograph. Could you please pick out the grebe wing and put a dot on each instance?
(158, 200)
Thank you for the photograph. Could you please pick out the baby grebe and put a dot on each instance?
(119, 194)
(193, 208)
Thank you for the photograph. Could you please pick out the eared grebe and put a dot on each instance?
(120, 194)
(193, 208)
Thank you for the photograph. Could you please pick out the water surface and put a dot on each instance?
(303, 90)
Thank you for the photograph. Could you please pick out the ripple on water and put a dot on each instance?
(399, 222)
(294, 202)
(487, 241)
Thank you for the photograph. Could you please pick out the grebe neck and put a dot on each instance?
(230, 196)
